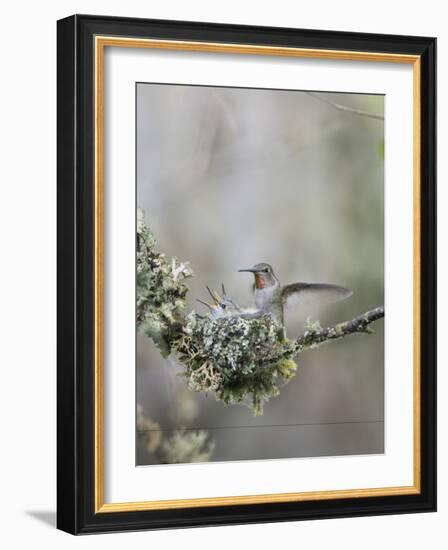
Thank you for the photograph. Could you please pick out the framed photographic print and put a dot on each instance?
(246, 274)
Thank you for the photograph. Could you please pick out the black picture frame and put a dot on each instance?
(76, 512)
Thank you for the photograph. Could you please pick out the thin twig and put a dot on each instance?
(361, 324)
(344, 108)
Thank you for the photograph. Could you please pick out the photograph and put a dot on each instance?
(259, 273)
(246, 274)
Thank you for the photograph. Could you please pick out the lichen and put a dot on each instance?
(239, 359)
(175, 447)
(161, 290)
(312, 326)
(186, 446)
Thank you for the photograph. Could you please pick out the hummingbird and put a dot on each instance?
(223, 307)
(272, 297)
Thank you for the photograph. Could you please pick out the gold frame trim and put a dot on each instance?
(101, 42)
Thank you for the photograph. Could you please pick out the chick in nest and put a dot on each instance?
(222, 307)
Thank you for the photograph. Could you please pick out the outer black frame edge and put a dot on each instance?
(67, 482)
(428, 243)
(76, 275)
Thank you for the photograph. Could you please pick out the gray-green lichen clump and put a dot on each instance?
(186, 446)
(240, 360)
(161, 290)
(178, 447)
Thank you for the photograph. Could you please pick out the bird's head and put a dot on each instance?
(264, 275)
(221, 306)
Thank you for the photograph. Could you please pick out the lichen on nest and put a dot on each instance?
(240, 360)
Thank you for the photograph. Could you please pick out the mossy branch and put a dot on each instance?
(239, 358)
(315, 335)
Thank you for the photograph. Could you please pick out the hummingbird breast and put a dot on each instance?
(269, 299)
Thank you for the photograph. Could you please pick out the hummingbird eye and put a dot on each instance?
(266, 269)
(223, 306)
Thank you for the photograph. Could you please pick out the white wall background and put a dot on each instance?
(27, 273)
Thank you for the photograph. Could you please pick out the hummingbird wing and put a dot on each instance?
(300, 294)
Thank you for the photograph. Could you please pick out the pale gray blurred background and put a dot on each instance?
(230, 177)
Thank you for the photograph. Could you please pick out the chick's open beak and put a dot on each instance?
(216, 299)
(210, 306)
(215, 296)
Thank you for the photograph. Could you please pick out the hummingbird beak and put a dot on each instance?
(247, 270)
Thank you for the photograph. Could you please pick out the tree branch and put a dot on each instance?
(344, 108)
(316, 336)
(240, 357)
